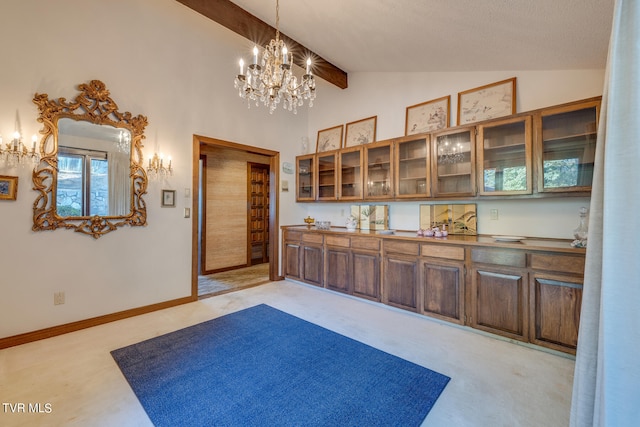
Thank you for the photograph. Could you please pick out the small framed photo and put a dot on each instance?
(361, 132)
(487, 102)
(428, 116)
(168, 198)
(8, 187)
(329, 139)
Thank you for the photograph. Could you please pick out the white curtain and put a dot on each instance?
(606, 388)
(119, 183)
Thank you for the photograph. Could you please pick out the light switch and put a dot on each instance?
(187, 192)
(187, 212)
(493, 214)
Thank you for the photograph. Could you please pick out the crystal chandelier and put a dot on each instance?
(271, 81)
(448, 153)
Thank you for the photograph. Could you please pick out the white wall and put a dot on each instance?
(386, 95)
(157, 58)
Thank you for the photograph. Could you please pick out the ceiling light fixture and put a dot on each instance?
(271, 81)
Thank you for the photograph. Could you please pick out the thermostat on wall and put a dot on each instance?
(287, 167)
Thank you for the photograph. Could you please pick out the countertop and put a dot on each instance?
(528, 243)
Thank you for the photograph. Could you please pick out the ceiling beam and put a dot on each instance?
(238, 20)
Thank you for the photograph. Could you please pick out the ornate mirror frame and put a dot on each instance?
(93, 105)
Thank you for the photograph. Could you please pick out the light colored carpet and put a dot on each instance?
(232, 280)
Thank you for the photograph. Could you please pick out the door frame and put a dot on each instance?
(200, 141)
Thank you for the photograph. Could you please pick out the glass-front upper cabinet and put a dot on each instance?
(567, 146)
(305, 173)
(327, 176)
(377, 175)
(412, 167)
(350, 179)
(504, 157)
(453, 163)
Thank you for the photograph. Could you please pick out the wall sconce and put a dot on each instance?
(156, 167)
(16, 153)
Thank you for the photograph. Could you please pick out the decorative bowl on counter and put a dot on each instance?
(323, 225)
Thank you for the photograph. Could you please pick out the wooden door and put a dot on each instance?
(258, 213)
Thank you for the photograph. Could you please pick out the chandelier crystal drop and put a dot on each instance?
(271, 80)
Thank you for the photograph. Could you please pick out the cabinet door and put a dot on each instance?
(401, 282)
(412, 168)
(366, 275)
(504, 157)
(312, 265)
(378, 171)
(350, 178)
(453, 163)
(292, 260)
(499, 301)
(555, 311)
(566, 146)
(305, 173)
(327, 176)
(442, 290)
(338, 274)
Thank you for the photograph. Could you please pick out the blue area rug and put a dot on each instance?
(263, 367)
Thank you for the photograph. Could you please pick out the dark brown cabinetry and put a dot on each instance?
(400, 279)
(533, 154)
(528, 293)
(556, 300)
(499, 292)
(442, 281)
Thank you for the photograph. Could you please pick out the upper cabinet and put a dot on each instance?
(566, 146)
(453, 163)
(412, 158)
(504, 157)
(305, 173)
(538, 154)
(379, 170)
(350, 178)
(327, 176)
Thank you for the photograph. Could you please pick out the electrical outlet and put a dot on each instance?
(58, 298)
(493, 214)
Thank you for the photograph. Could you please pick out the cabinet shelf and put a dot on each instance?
(413, 159)
(453, 175)
(572, 136)
(506, 147)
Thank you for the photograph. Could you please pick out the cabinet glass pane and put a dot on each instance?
(412, 167)
(454, 163)
(569, 146)
(305, 178)
(379, 171)
(327, 176)
(504, 158)
(351, 179)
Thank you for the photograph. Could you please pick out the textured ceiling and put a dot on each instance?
(447, 35)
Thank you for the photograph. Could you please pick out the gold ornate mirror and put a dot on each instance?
(91, 177)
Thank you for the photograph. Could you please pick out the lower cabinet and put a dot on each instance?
(312, 263)
(443, 290)
(499, 302)
(555, 302)
(527, 295)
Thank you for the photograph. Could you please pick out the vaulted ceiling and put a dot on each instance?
(434, 35)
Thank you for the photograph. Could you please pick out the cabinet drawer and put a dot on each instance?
(406, 248)
(512, 258)
(440, 251)
(561, 263)
(368, 243)
(342, 242)
(312, 238)
(292, 235)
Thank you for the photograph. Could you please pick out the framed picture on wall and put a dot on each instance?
(8, 187)
(329, 139)
(168, 198)
(487, 102)
(428, 116)
(361, 132)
